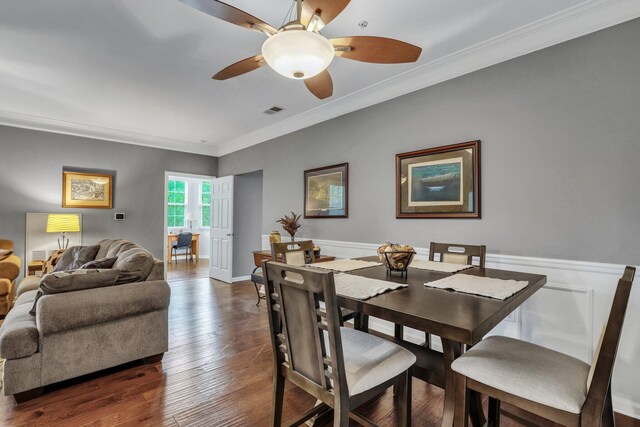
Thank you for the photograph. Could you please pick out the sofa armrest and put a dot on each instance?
(61, 312)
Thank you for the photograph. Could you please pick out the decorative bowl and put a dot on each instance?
(396, 257)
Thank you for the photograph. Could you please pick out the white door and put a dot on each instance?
(221, 228)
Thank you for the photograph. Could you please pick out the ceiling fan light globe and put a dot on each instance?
(298, 54)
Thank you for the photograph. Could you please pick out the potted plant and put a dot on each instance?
(290, 224)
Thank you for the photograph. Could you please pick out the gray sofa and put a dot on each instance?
(76, 333)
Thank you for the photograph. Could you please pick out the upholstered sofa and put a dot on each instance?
(9, 270)
(84, 331)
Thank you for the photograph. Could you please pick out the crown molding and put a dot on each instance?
(585, 18)
(577, 21)
(46, 124)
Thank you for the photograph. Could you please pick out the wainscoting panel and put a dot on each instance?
(561, 318)
(567, 315)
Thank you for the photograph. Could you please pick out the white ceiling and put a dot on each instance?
(139, 71)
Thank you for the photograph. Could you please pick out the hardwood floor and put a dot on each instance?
(182, 269)
(217, 372)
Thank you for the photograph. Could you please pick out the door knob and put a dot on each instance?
(230, 234)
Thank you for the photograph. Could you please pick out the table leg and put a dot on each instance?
(451, 350)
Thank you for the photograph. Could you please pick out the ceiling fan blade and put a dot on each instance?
(230, 14)
(240, 67)
(327, 9)
(379, 50)
(320, 85)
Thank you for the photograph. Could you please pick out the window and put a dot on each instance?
(205, 203)
(177, 198)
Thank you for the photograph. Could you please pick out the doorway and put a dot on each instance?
(237, 225)
(187, 209)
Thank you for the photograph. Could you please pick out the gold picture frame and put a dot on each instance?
(87, 190)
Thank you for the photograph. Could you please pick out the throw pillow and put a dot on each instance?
(75, 280)
(74, 257)
(134, 265)
(4, 253)
(52, 261)
(100, 263)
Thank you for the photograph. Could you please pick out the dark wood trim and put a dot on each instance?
(475, 145)
(28, 395)
(153, 359)
(346, 191)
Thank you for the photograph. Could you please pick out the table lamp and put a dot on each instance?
(63, 223)
(190, 217)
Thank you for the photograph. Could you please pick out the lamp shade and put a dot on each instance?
(189, 216)
(63, 223)
(298, 54)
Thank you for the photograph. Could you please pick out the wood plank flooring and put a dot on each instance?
(217, 373)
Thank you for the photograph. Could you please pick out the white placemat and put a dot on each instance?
(362, 288)
(344, 265)
(445, 267)
(485, 286)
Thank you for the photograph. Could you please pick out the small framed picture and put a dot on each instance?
(87, 190)
(440, 182)
(326, 192)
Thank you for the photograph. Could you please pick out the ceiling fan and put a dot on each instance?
(297, 50)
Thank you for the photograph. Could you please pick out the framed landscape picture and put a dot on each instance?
(326, 192)
(87, 190)
(440, 182)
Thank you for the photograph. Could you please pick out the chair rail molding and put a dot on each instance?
(566, 315)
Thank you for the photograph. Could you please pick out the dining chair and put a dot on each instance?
(455, 254)
(183, 242)
(294, 253)
(458, 254)
(299, 254)
(341, 367)
(553, 385)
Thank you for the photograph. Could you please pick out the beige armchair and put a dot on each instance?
(9, 271)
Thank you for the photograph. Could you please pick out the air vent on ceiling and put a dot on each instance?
(273, 110)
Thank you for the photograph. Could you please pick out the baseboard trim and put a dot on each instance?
(240, 279)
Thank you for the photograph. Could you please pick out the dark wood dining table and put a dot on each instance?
(459, 319)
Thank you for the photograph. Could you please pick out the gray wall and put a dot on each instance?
(560, 156)
(247, 221)
(31, 181)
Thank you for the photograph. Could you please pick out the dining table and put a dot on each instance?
(461, 320)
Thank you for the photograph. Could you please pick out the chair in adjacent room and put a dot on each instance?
(183, 242)
(339, 366)
(547, 383)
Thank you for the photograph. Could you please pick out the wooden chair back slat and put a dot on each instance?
(458, 253)
(289, 252)
(604, 359)
(299, 325)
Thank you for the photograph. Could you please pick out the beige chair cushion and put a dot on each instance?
(528, 371)
(370, 360)
(455, 259)
(296, 258)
